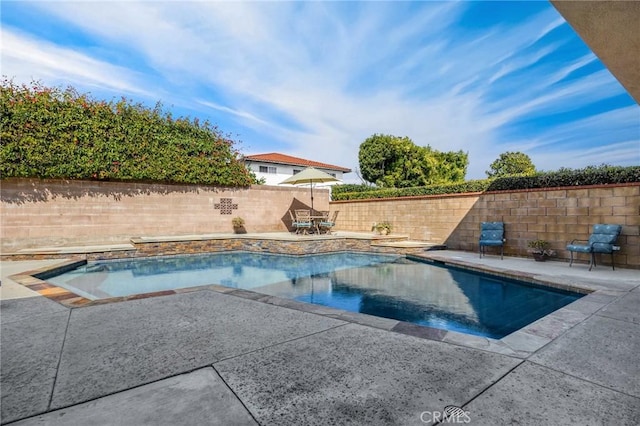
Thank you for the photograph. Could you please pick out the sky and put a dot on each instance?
(315, 79)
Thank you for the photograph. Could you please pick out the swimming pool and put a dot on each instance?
(389, 286)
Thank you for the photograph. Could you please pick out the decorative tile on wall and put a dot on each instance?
(226, 206)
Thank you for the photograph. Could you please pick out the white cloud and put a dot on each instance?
(26, 58)
(573, 66)
(538, 98)
(235, 112)
(624, 153)
(320, 77)
(612, 137)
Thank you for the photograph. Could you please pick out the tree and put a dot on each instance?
(375, 156)
(396, 162)
(511, 163)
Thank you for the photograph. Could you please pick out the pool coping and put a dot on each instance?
(520, 344)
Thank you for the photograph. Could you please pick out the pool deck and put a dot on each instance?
(234, 357)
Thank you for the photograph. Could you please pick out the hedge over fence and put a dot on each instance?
(54, 133)
(592, 175)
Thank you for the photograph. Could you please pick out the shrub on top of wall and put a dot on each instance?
(54, 133)
(592, 175)
(350, 187)
(454, 188)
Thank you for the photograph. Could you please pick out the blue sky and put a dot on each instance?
(315, 79)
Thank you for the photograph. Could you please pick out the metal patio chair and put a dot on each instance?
(601, 240)
(491, 234)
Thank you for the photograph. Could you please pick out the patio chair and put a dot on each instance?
(601, 240)
(294, 222)
(326, 224)
(303, 221)
(491, 234)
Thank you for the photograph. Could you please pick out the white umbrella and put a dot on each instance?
(310, 175)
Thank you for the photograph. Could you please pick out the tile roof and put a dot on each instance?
(274, 157)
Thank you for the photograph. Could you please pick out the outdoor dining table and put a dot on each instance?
(316, 219)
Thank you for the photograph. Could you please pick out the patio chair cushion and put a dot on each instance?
(579, 248)
(299, 225)
(329, 223)
(601, 240)
(492, 234)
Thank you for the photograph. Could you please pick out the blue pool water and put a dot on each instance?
(383, 285)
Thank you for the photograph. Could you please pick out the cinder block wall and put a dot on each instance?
(59, 212)
(432, 218)
(556, 215)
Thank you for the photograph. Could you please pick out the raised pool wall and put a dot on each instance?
(38, 213)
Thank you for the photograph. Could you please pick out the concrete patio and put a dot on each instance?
(225, 356)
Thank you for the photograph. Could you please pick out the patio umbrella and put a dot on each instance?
(310, 175)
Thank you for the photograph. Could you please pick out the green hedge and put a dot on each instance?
(592, 175)
(53, 133)
(350, 187)
(454, 188)
(600, 175)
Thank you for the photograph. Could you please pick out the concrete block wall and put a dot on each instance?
(36, 213)
(431, 219)
(556, 215)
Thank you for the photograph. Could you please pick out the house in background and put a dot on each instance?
(274, 167)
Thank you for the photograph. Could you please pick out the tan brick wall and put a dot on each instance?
(58, 212)
(557, 215)
(421, 218)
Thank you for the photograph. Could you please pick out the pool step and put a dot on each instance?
(409, 244)
(77, 249)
